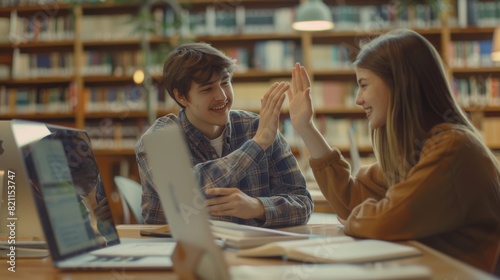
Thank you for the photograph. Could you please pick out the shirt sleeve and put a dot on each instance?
(290, 202)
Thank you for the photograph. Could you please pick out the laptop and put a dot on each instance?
(183, 203)
(17, 209)
(62, 172)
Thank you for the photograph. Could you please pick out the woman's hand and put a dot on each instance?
(299, 97)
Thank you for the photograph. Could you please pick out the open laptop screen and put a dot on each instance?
(63, 172)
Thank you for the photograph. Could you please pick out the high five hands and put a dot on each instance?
(301, 110)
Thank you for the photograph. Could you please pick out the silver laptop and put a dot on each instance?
(62, 171)
(17, 208)
(16, 194)
(188, 219)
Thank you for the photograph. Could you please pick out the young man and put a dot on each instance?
(242, 162)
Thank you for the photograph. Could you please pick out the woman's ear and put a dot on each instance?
(180, 98)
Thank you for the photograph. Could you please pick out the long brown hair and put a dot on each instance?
(421, 97)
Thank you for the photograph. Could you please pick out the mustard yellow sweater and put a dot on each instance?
(449, 201)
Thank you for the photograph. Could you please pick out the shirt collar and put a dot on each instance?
(194, 135)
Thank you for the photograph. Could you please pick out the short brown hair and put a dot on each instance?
(196, 62)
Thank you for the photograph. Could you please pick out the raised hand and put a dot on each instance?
(299, 97)
(302, 113)
(270, 111)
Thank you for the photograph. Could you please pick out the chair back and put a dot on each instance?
(131, 191)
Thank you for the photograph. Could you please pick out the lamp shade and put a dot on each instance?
(313, 15)
(495, 51)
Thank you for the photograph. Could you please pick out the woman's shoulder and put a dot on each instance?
(453, 137)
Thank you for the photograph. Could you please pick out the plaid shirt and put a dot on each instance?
(272, 176)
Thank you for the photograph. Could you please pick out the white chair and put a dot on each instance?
(131, 192)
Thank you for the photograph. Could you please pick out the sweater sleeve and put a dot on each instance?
(343, 192)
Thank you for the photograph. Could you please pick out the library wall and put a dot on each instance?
(73, 64)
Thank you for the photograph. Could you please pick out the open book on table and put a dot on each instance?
(236, 235)
(335, 249)
(243, 236)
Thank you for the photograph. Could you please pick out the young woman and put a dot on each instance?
(434, 180)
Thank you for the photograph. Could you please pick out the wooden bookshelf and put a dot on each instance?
(247, 41)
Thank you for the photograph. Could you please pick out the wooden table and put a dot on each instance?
(442, 266)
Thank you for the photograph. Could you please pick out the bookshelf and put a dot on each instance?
(73, 64)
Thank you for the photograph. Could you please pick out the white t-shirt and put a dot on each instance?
(217, 144)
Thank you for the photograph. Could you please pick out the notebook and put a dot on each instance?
(62, 172)
(189, 223)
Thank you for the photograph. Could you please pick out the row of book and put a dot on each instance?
(123, 133)
(383, 16)
(112, 63)
(335, 130)
(325, 94)
(328, 57)
(111, 27)
(221, 19)
(477, 13)
(477, 91)
(36, 65)
(276, 55)
(236, 19)
(271, 55)
(115, 133)
(332, 94)
(115, 98)
(61, 64)
(37, 100)
(471, 54)
(42, 26)
(7, 3)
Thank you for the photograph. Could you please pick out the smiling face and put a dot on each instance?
(373, 95)
(208, 104)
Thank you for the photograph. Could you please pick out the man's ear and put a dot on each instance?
(180, 98)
